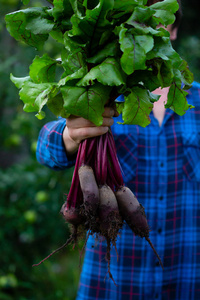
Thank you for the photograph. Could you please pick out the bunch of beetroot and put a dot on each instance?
(98, 201)
(109, 48)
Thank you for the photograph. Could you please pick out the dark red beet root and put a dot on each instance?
(110, 221)
(71, 215)
(133, 213)
(89, 189)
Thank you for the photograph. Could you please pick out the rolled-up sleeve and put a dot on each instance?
(50, 146)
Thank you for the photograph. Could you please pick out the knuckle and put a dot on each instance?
(83, 132)
(109, 112)
(108, 122)
(112, 112)
(111, 121)
(71, 132)
(74, 136)
(103, 129)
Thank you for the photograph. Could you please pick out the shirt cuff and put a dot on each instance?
(50, 148)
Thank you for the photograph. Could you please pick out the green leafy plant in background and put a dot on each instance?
(109, 48)
(29, 193)
(24, 234)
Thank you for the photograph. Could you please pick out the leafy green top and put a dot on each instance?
(110, 47)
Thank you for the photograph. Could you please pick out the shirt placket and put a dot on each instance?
(161, 207)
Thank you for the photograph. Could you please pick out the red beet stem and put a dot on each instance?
(112, 153)
(75, 197)
(91, 152)
(83, 151)
(111, 178)
(99, 159)
(104, 158)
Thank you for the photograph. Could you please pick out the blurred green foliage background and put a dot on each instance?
(31, 194)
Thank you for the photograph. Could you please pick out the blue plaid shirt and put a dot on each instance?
(162, 167)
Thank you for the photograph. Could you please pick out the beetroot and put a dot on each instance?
(90, 192)
(109, 215)
(133, 213)
(110, 220)
(98, 201)
(71, 215)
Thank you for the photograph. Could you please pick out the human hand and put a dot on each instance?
(78, 129)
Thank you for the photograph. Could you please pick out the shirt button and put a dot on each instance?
(159, 230)
(161, 198)
(161, 165)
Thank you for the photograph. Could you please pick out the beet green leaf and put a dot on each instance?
(140, 103)
(30, 25)
(109, 47)
(89, 29)
(43, 69)
(108, 73)
(177, 100)
(89, 103)
(35, 96)
(165, 11)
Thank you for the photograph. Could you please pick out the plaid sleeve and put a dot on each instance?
(50, 147)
